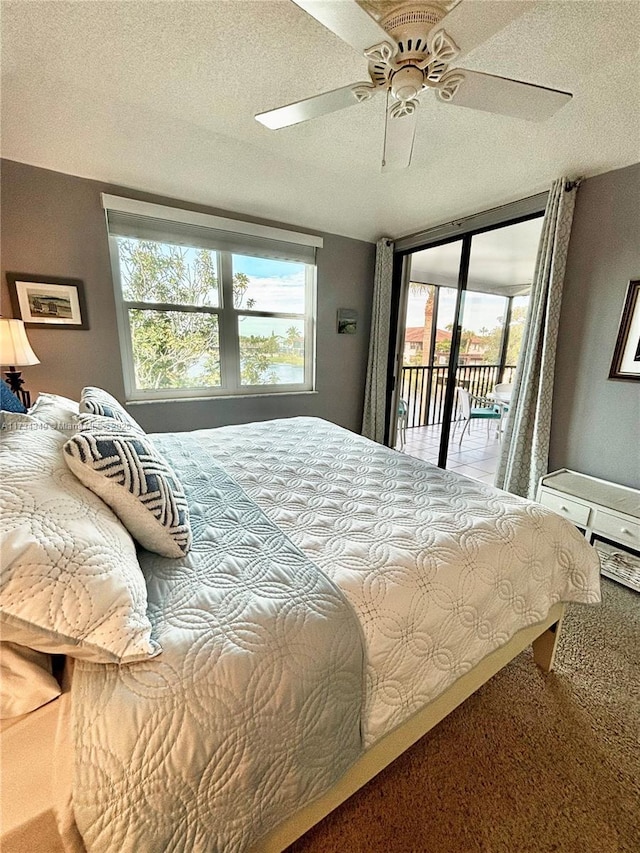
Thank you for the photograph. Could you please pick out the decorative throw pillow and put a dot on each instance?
(71, 582)
(95, 401)
(26, 681)
(8, 400)
(124, 468)
(56, 411)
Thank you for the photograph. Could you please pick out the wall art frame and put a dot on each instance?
(626, 355)
(51, 301)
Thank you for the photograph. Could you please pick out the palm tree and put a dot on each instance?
(291, 337)
(429, 290)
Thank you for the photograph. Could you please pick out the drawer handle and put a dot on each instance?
(565, 509)
(625, 530)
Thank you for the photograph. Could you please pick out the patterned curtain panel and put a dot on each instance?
(525, 450)
(375, 395)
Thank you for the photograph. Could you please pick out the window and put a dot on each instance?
(204, 309)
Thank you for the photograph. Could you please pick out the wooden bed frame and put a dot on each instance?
(544, 638)
(28, 791)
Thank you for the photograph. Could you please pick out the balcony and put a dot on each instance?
(477, 456)
(423, 390)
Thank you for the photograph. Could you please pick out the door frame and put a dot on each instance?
(399, 297)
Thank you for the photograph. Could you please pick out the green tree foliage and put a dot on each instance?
(518, 320)
(257, 354)
(492, 340)
(181, 349)
(173, 349)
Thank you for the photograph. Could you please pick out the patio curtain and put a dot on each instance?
(375, 394)
(525, 450)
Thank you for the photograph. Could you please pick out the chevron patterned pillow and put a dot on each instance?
(95, 401)
(123, 467)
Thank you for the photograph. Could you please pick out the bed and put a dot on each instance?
(337, 600)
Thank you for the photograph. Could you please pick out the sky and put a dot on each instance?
(275, 285)
(481, 310)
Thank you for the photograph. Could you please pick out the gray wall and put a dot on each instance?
(596, 420)
(53, 224)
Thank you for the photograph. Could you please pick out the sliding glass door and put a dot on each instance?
(428, 330)
(460, 329)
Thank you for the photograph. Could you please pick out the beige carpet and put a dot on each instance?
(529, 764)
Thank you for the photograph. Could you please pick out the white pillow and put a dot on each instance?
(95, 401)
(16, 421)
(26, 681)
(124, 468)
(56, 411)
(71, 582)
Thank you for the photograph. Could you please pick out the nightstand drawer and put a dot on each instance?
(578, 513)
(617, 528)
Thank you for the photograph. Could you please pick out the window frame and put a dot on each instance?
(228, 315)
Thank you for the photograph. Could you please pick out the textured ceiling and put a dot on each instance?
(161, 96)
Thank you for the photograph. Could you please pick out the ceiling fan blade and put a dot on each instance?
(471, 23)
(501, 95)
(319, 105)
(347, 20)
(399, 134)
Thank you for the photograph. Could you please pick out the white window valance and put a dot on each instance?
(146, 221)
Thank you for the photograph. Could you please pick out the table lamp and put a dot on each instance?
(15, 349)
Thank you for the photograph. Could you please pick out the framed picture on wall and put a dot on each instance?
(41, 300)
(347, 321)
(626, 356)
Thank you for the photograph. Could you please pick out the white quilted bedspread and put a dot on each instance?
(440, 569)
(254, 705)
(267, 687)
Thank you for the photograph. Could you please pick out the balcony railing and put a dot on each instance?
(423, 388)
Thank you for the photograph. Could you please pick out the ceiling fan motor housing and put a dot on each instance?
(408, 71)
(409, 26)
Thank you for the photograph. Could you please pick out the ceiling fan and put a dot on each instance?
(409, 52)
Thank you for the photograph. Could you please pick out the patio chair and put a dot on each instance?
(502, 392)
(502, 395)
(472, 408)
(401, 422)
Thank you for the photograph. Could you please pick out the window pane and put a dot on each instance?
(482, 328)
(162, 272)
(505, 258)
(173, 349)
(271, 350)
(438, 265)
(501, 267)
(519, 308)
(261, 284)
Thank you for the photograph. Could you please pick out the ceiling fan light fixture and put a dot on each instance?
(407, 83)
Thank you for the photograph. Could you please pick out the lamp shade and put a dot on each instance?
(15, 348)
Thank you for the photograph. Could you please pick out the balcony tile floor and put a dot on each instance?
(477, 456)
